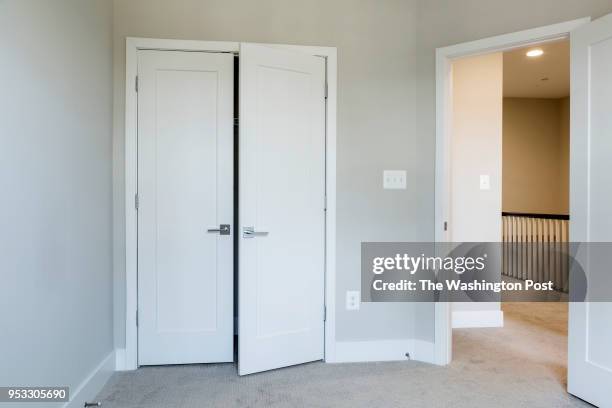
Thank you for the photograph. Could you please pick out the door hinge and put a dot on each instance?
(136, 84)
(445, 226)
(325, 203)
(136, 202)
(326, 89)
(324, 313)
(136, 317)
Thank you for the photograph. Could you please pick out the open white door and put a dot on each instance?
(185, 191)
(590, 327)
(282, 208)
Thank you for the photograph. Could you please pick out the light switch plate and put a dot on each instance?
(485, 182)
(394, 179)
(353, 299)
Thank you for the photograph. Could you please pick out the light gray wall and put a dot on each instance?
(55, 178)
(386, 109)
(376, 115)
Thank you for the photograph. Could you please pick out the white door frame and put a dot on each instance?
(129, 360)
(444, 59)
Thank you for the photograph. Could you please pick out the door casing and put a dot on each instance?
(444, 59)
(127, 359)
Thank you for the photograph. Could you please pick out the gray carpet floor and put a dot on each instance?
(520, 365)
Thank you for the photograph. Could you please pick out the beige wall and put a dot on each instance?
(476, 148)
(535, 155)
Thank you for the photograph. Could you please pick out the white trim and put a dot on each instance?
(506, 42)
(131, 177)
(464, 319)
(136, 44)
(330, 187)
(444, 58)
(443, 346)
(383, 350)
(89, 388)
(120, 359)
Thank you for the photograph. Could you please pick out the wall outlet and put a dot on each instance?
(394, 179)
(353, 298)
(485, 182)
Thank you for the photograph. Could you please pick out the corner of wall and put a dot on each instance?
(93, 383)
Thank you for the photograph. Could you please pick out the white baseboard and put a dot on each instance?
(478, 318)
(93, 383)
(383, 350)
(120, 360)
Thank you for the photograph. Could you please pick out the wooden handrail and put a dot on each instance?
(534, 215)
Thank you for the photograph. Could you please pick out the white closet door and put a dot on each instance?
(282, 214)
(185, 188)
(590, 324)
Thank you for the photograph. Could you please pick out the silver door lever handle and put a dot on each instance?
(224, 229)
(249, 232)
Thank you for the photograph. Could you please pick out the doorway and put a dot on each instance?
(510, 180)
(510, 166)
(590, 57)
(511, 127)
(283, 91)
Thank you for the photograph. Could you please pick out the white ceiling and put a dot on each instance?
(523, 76)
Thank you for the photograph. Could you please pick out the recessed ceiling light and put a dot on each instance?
(535, 52)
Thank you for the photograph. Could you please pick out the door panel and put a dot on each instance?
(590, 333)
(282, 193)
(185, 187)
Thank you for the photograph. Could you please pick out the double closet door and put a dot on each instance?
(186, 208)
